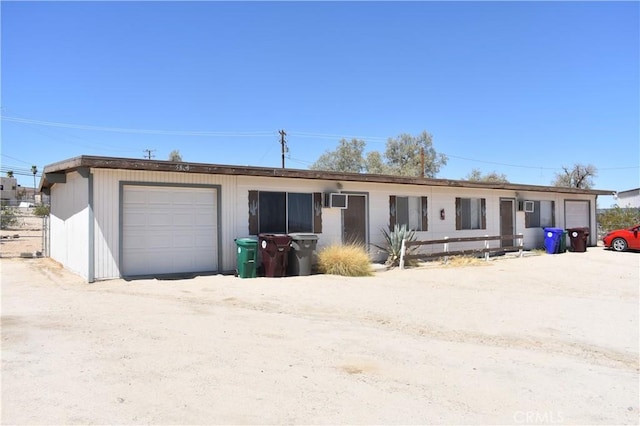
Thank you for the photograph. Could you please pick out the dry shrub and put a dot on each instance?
(457, 261)
(351, 260)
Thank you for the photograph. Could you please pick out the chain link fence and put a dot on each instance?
(23, 234)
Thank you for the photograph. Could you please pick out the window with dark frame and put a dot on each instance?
(284, 212)
(471, 213)
(543, 215)
(409, 211)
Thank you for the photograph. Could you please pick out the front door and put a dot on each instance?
(354, 220)
(506, 222)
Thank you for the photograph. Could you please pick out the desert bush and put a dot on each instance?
(393, 244)
(351, 260)
(9, 218)
(41, 210)
(618, 218)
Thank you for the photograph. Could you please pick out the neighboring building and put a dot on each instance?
(8, 190)
(630, 198)
(115, 217)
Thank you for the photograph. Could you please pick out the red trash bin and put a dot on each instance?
(578, 238)
(274, 249)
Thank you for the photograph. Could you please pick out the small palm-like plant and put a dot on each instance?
(393, 243)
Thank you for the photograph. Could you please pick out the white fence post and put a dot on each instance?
(486, 246)
(403, 251)
(520, 244)
(446, 250)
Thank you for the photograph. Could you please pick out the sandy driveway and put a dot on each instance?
(546, 339)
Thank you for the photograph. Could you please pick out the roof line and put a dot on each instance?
(87, 161)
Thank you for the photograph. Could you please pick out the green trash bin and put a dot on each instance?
(563, 242)
(247, 258)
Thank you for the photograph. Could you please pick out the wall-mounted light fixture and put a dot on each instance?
(441, 214)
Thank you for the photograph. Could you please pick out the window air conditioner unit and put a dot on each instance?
(336, 200)
(526, 206)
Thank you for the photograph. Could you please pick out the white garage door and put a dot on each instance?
(168, 230)
(576, 214)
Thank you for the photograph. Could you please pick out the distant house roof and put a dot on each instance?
(52, 172)
(629, 192)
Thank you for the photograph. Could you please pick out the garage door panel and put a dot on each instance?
(203, 242)
(158, 220)
(205, 220)
(576, 214)
(169, 230)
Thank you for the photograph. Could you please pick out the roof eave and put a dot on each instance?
(73, 164)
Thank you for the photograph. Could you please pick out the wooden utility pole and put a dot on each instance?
(283, 142)
(421, 162)
(34, 170)
(148, 153)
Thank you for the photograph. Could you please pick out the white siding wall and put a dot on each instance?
(69, 230)
(534, 237)
(70, 216)
(106, 213)
(378, 204)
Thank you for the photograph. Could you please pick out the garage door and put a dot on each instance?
(576, 214)
(167, 230)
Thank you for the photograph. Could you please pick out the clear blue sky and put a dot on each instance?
(520, 88)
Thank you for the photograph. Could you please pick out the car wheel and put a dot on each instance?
(619, 244)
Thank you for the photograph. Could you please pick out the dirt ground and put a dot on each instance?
(543, 339)
(23, 239)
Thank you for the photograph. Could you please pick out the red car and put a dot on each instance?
(623, 239)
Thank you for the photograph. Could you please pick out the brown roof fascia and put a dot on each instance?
(76, 163)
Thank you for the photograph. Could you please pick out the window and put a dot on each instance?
(471, 213)
(542, 215)
(300, 212)
(408, 211)
(272, 209)
(284, 212)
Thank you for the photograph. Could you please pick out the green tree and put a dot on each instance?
(618, 218)
(404, 155)
(10, 173)
(579, 176)
(374, 164)
(346, 158)
(476, 176)
(175, 156)
(41, 210)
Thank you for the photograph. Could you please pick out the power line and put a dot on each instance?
(336, 136)
(133, 130)
(254, 134)
(16, 159)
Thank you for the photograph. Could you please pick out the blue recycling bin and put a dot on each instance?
(553, 240)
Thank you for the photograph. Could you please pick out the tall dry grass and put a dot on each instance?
(351, 260)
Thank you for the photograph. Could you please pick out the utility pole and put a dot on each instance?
(421, 162)
(148, 153)
(34, 170)
(283, 142)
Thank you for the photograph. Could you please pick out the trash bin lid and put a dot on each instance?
(246, 242)
(300, 236)
(279, 240)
